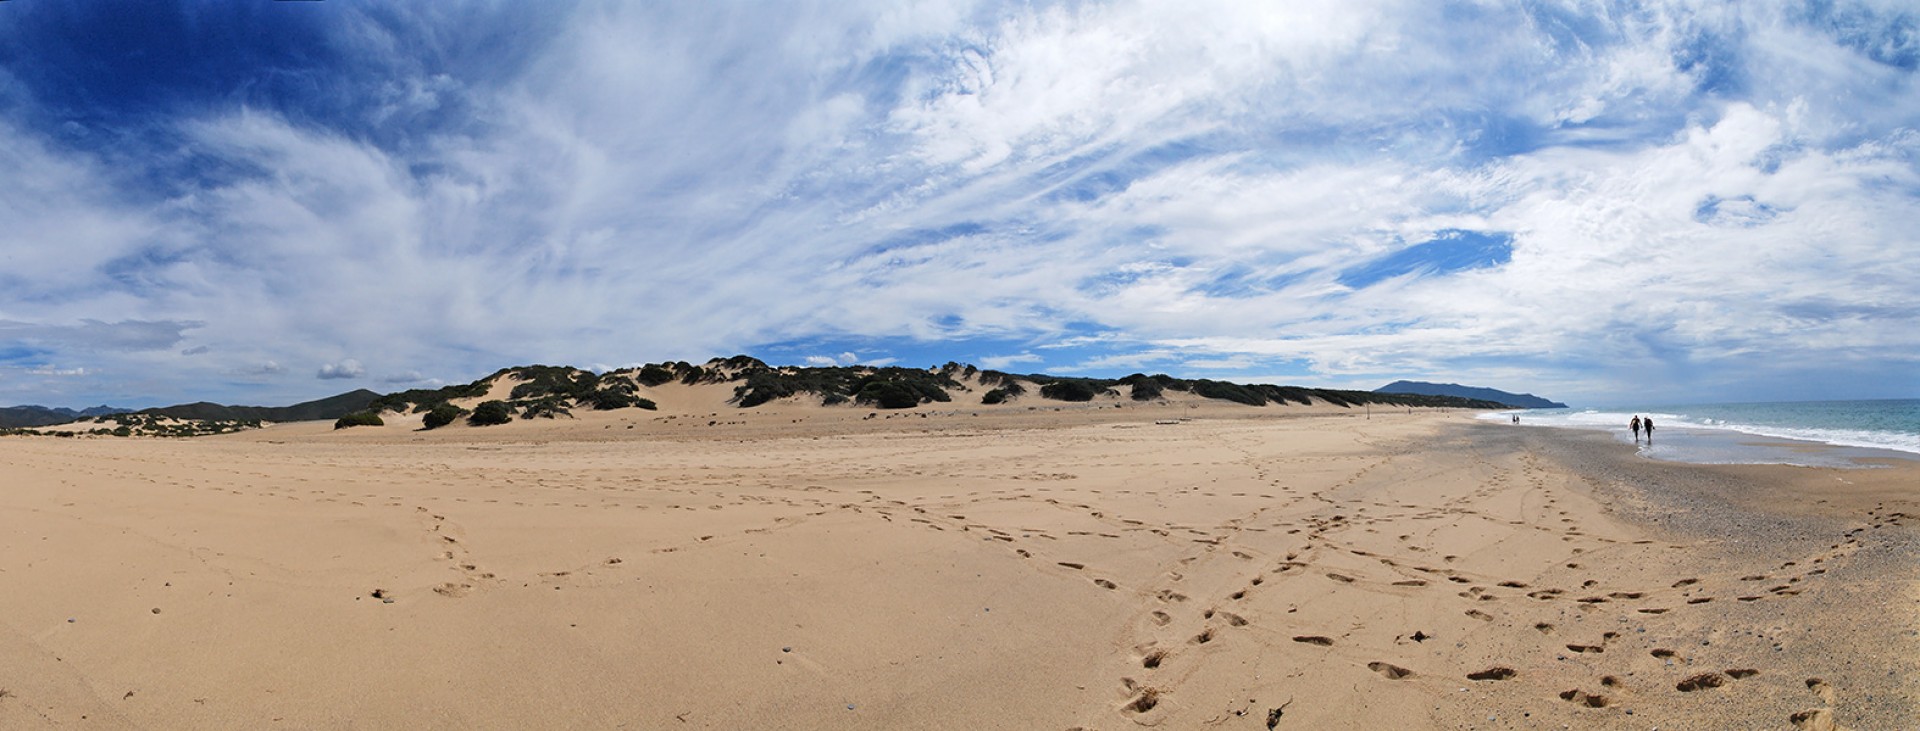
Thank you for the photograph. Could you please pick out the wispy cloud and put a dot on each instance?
(1513, 193)
(1001, 362)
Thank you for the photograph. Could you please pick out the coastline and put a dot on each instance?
(1071, 569)
(1809, 434)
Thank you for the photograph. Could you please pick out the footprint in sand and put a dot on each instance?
(1314, 640)
(1701, 681)
(1391, 671)
(1821, 688)
(1815, 719)
(1144, 702)
(1493, 673)
(1581, 697)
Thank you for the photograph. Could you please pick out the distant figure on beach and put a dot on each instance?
(1635, 426)
(1647, 424)
(1516, 418)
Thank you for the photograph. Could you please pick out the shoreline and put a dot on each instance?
(1087, 569)
(1724, 445)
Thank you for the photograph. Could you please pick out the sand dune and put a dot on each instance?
(795, 566)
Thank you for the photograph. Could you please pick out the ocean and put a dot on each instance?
(1811, 433)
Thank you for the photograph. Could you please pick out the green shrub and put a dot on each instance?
(1145, 390)
(610, 399)
(996, 396)
(545, 408)
(359, 418)
(888, 395)
(899, 388)
(1229, 391)
(489, 413)
(653, 375)
(1068, 390)
(441, 415)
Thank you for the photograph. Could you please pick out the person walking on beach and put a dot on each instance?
(1647, 424)
(1635, 426)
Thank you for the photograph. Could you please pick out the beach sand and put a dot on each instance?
(796, 567)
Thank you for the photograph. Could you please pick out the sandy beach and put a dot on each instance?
(790, 567)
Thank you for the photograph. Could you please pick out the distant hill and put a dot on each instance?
(1516, 400)
(21, 416)
(332, 407)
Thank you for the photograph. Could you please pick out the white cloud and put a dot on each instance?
(1128, 176)
(348, 368)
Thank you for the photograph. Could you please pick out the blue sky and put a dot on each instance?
(264, 202)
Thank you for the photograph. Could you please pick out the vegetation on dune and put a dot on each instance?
(143, 425)
(420, 400)
(543, 391)
(654, 374)
(1142, 387)
(489, 413)
(359, 418)
(1072, 389)
(900, 388)
(441, 415)
(756, 383)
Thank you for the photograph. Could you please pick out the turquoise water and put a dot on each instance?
(1763, 433)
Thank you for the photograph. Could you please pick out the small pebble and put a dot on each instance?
(156, 610)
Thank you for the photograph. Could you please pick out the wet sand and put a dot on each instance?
(815, 568)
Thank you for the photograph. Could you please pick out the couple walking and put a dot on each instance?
(1638, 424)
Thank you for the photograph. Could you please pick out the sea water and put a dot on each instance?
(1813, 433)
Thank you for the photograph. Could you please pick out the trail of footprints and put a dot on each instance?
(1787, 580)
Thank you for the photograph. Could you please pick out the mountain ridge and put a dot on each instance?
(331, 407)
(1505, 398)
(28, 415)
